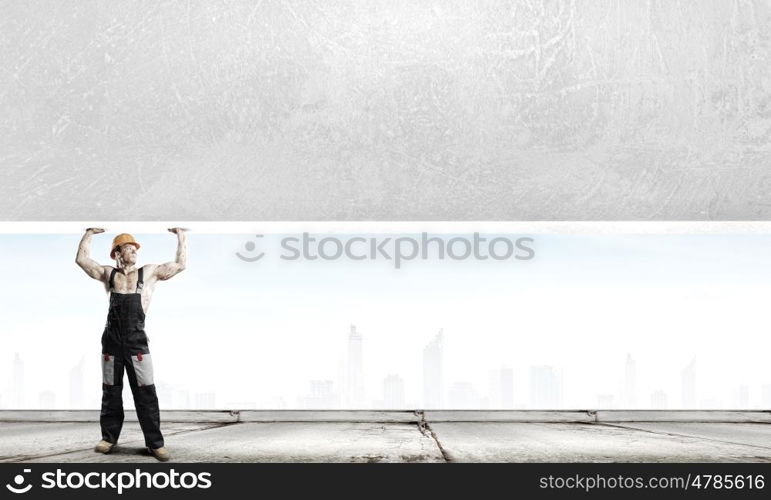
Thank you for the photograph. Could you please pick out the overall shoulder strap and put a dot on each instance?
(112, 276)
(140, 281)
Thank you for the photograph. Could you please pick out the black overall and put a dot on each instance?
(124, 346)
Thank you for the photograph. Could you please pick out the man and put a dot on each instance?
(124, 342)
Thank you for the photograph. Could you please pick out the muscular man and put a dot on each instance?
(124, 343)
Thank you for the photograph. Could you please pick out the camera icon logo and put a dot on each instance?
(18, 480)
(250, 247)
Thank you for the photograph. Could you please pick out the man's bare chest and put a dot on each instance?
(126, 282)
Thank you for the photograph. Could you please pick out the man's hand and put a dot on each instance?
(178, 230)
(95, 230)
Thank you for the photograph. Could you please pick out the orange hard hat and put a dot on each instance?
(122, 239)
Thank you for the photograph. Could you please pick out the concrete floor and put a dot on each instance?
(403, 437)
(549, 442)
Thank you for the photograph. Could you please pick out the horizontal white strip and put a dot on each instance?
(556, 227)
(386, 416)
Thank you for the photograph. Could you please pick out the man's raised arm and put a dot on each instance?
(89, 265)
(170, 269)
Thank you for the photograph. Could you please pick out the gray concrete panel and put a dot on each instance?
(741, 433)
(683, 416)
(46, 442)
(544, 442)
(327, 416)
(285, 442)
(585, 416)
(372, 110)
(397, 437)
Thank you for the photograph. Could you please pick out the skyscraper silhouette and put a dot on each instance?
(502, 388)
(765, 396)
(688, 379)
(606, 402)
(659, 400)
(740, 397)
(630, 382)
(76, 384)
(47, 400)
(433, 372)
(355, 379)
(393, 392)
(322, 396)
(175, 397)
(205, 400)
(18, 389)
(545, 387)
(462, 395)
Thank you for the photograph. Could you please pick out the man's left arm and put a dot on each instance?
(170, 269)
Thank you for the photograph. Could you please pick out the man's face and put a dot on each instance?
(127, 254)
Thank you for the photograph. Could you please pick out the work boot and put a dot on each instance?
(161, 453)
(104, 447)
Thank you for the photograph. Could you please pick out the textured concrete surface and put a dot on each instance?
(349, 109)
(551, 442)
(22, 441)
(752, 434)
(405, 437)
(279, 442)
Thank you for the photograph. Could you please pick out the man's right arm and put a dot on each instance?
(89, 265)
